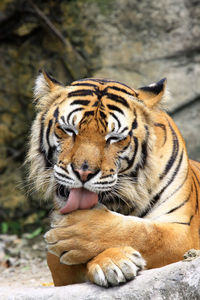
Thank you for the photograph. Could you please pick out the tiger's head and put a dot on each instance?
(93, 138)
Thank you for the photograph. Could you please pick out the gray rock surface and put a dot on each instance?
(143, 41)
(173, 282)
(188, 121)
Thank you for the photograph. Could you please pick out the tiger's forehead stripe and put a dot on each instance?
(80, 102)
(103, 84)
(113, 91)
(81, 92)
(96, 97)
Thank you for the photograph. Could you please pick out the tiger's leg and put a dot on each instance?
(64, 274)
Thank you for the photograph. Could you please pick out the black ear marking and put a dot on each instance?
(50, 77)
(154, 88)
(152, 94)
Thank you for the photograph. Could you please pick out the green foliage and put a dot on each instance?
(11, 227)
(33, 225)
(4, 227)
(35, 233)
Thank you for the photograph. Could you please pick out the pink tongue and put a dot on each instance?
(79, 199)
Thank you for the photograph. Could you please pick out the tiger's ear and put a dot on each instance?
(44, 85)
(152, 94)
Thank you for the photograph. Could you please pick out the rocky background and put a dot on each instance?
(136, 42)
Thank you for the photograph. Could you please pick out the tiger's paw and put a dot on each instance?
(115, 266)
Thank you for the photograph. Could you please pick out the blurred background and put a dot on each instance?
(135, 42)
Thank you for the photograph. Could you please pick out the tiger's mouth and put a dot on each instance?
(76, 198)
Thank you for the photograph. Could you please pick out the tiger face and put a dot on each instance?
(94, 135)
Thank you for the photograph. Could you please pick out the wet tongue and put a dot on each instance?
(79, 199)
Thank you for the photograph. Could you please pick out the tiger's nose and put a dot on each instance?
(84, 175)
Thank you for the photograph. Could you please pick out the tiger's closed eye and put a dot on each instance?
(114, 138)
(68, 129)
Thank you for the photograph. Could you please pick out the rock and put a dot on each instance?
(176, 281)
(188, 121)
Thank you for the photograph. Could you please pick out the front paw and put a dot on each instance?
(73, 238)
(114, 266)
(70, 250)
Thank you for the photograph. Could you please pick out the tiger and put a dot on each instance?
(126, 196)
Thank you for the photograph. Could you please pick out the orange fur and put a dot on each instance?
(150, 210)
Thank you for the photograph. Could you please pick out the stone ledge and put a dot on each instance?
(176, 281)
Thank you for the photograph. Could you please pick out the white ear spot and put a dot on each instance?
(152, 84)
(41, 88)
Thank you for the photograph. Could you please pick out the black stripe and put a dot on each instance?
(73, 111)
(62, 175)
(115, 117)
(85, 84)
(114, 138)
(56, 113)
(41, 146)
(106, 176)
(118, 99)
(95, 103)
(80, 102)
(174, 153)
(184, 223)
(141, 164)
(102, 114)
(81, 93)
(144, 148)
(102, 81)
(88, 113)
(103, 123)
(195, 186)
(158, 195)
(48, 131)
(180, 205)
(57, 136)
(124, 129)
(120, 90)
(64, 169)
(126, 147)
(164, 130)
(134, 124)
(63, 118)
(176, 190)
(59, 127)
(131, 161)
(116, 108)
(104, 182)
(100, 93)
(41, 149)
(93, 79)
(172, 178)
(50, 155)
(60, 180)
(51, 148)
